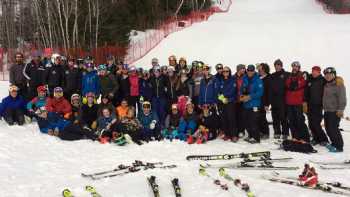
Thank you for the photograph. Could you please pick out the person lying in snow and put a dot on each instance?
(12, 107)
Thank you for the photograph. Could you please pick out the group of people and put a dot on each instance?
(76, 99)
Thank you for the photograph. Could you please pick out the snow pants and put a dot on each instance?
(315, 117)
(14, 115)
(228, 120)
(279, 118)
(332, 121)
(297, 124)
(251, 118)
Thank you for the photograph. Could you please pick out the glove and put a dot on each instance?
(340, 114)
(305, 109)
(94, 125)
(153, 124)
(141, 99)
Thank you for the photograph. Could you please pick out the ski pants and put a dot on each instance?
(263, 124)
(297, 123)
(315, 117)
(332, 121)
(279, 118)
(239, 112)
(14, 115)
(228, 120)
(73, 132)
(251, 118)
(159, 107)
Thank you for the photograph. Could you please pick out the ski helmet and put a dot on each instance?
(330, 70)
(13, 88)
(41, 89)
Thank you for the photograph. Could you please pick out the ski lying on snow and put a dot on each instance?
(92, 191)
(154, 185)
(248, 166)
(322, 187)
(346, 162)
(203, 172)
(176, 186)
(237, 182)
(325, 167)
(229, 156)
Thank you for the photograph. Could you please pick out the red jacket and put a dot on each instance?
(61, 106)
(295, 85)
(134, 85)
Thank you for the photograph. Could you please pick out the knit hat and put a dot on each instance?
(316, 68)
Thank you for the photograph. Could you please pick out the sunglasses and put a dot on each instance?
(205, 68)
(226, 71)
(219, 68)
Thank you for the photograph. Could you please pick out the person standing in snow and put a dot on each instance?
(207, 90)
(277, 95)
(54, 74)
(295, 86)
(240, 73)
(264, 73)
(134, 82)
(90, 81)
(159, 102)
(313, 106)
(12, 107)
(72, 79)
(17, 76)
(251, 92)
(108, 82)
(34, 72)
(334, 103)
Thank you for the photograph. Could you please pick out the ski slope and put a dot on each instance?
(34, 164)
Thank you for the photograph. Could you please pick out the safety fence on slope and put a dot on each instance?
(335, 6)
(140, 42)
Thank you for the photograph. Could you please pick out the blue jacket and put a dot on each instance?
(102, 122)
(12, 103)
(53, 120)
(146, 120)
(207, 91)
(188, 124)
(228, 89)
(91, 83)
(37, 102)
(145, 89)
(254, 88)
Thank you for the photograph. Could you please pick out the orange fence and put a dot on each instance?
(138, 47)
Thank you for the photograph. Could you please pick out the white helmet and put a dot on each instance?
(54, 56)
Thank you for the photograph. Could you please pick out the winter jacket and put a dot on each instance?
(171, 88)
(172, 121)
(12, 103)
(188, 123)
(134, 85)
(17, 75)
(158, 86)
(108, 105)
(185, 88)
(52, 122)
(196, 84)
(277, 88)
(54, 75)
(265, 99)
(36, 103)
(239, 82)
(111, 68)
(219, 79)
(227, 87)
(124, 88)
(254, 88)
(72, 80)
(145, 89)
(207, 91)
(122, 111)
(146, 120)
(35, 74)
(314, 91)
(88, 114)
(295, 86)
(60, 106)
(91, 83)
(109, 84)
(334, 96)
(102, 122)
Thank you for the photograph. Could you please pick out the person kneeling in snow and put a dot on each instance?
(150, 123)
(308, 177)
(129, 129)
(172, 122)
(37, 102)
(12, 107)
(200, 136)
(209, 120)
(188, 123)
(53, 124)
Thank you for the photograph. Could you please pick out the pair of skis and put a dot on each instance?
(338, 165)
(155, 188)
(266, 154)
(67, 193)
(237, 182)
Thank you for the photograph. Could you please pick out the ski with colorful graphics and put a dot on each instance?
(154, 185)
(229, 156)
(203, 172)
(249, 166)
(92, 191)
(237, 182)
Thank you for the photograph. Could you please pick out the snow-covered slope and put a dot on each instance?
(33, 164)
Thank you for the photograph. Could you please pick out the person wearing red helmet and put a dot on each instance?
(38, 101)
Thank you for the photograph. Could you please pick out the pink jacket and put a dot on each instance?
(134, 85)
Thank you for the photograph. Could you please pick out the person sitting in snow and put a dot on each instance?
(150, 123)
(76, 107)
(105, 125)
(188, 123)
(129, 125)
(59, 104)
(172, 122)
(53, 124)
(308, 177)
(209, 120)
(105, 102)
(88, 112)
(200, 136)
(122, 109)
(12, 107)
(37, 102)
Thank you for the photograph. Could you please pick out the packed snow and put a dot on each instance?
(35, 164)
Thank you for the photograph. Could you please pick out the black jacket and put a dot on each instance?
(277, 88)
(158, 86)
(72, 79)
(54, 75)
(266, 97)
(88, 114)
(314, 91)
(35, 74)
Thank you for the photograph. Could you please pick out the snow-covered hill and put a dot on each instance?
(33, 164)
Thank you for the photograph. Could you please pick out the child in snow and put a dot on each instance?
(122, 109)
(59, 104)
(209, 120)
(88, 117)
(200, 136)
(188, 123)
(12, 107)
(105, 102)
(76, 107)
(105, 124)
(308, 177)
(150, 123)
(129, 125)
(37, 102)
(172, 122)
